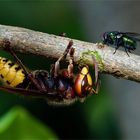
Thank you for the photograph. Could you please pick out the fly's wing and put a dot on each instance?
(132, 35)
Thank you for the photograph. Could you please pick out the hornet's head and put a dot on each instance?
(83, 82)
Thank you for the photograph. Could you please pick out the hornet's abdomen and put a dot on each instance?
(11, 73)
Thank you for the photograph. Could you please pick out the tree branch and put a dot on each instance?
(28, 41)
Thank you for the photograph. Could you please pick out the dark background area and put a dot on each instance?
(110, 115)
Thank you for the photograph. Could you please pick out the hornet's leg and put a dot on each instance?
(97, 87)
(96, 69)
(71, 61)
(52, 70)
(32, 93)
(7, 47)
(97, 79)
(57, 63)
(69, 93)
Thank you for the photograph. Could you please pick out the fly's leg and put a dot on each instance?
(129, 51)
(57, 63)
(116, 48)
(126, 51)
(117, 43)
(126, 47)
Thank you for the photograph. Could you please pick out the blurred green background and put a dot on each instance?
(23, 118)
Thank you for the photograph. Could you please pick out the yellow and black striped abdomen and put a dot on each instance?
(11, 73)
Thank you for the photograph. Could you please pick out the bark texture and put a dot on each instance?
(38, 43)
